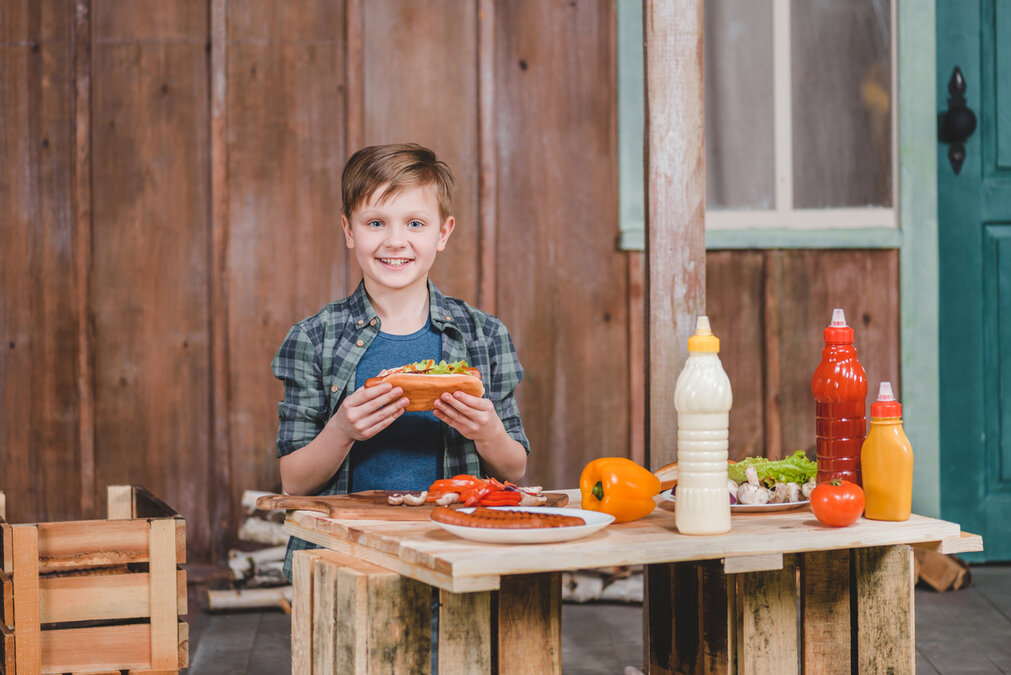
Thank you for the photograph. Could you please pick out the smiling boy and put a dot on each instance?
(334, 435)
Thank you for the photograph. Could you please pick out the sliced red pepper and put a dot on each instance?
(502, 498)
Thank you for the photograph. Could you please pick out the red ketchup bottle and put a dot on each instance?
(840, 393)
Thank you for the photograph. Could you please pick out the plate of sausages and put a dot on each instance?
(520, 524)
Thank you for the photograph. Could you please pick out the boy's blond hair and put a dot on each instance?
(400, 166)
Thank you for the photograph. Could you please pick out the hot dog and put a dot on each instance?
(507, 520)
(425, 381)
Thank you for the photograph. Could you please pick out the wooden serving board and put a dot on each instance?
(368, 505)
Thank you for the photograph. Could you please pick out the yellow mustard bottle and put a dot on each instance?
(886, 459)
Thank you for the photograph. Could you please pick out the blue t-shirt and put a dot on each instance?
(407, 455)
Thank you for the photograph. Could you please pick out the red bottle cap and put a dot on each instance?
(886, 405)
(838, 331)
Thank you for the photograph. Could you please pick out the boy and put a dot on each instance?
(334, 435)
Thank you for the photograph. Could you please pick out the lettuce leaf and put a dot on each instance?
(794, 469)
(430, 367)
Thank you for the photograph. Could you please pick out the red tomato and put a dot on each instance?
(837, 503)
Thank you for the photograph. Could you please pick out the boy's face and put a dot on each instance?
(395, 242)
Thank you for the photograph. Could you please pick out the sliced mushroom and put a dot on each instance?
(448, 498)
(396, 499)
(807, 488)
(780, 494)
(752, 492)
(533, 500)
(416, 500)
(793, 492)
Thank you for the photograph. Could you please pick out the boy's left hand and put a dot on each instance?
(472, 416)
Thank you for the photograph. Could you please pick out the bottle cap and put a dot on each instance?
(886, 405)
(839, 331)
(703, 340)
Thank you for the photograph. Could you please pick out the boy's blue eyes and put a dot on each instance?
(414, 224)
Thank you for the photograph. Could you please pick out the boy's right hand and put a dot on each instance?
(369, 410)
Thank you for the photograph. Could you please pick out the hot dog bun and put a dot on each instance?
(422, 389)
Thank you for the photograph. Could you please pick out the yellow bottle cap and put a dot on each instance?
(703, 340)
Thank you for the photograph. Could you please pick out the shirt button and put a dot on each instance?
(449, 318)
(334, 388)
(372, 323)
(361, 322)
(360, 343)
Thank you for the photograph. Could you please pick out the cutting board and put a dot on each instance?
(369, 505)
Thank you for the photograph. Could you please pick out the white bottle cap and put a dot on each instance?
(885, 392)
(702, 326)
(838, 318)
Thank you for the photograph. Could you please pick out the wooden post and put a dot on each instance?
(464, 633)
(885, 632)
(27, 628)
(675, 206)
(825, 611)
(767, 623)
(529, 605)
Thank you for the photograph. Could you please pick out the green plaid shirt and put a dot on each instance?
(318, 358)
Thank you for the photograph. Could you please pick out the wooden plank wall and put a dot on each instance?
(169, 206)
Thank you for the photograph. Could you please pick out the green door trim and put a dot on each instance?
(918, 257)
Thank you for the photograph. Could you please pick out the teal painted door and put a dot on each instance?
(974, 232)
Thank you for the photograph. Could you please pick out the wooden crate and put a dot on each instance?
(95, 596)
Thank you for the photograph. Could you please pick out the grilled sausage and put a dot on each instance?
(491, 518)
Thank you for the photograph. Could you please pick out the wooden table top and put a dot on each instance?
(425, 552)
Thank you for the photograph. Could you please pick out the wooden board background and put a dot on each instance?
(169, 206)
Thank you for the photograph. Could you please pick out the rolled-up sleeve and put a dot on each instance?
(302, 413)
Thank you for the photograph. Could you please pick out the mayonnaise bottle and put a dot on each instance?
(703, 398)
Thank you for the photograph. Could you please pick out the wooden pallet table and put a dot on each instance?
(95, 596)
(719, 604)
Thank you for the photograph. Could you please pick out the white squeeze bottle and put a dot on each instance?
(703, 399)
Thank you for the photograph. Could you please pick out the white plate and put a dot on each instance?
(750, 508)
(595, 520)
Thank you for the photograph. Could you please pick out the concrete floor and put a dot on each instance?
(965, 632)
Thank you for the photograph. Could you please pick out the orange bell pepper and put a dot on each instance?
(618, 486)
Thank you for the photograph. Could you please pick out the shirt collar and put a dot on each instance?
(362, 315)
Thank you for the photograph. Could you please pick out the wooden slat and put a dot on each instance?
(557, 163)
(149, 258)
(528, 618)
(222, 510)
(3, 506)
(686, 618)
(884, 605)
(717, 599)
(92, 597)
(120, 647)
(767, 623)
(399, 612)
(444, 76)
(7, 547)
(164, 607)
(147, 505)
(38, 286)
(965, 542)
(85, 543)
(119, 502)
(487, 157)
(465, 637)
(27, 628)
(281, 151)
(825, 611)
(753, 563)
(636, 358)
(6, 600)
(658, 619)
(734, 304)
(6, 650)
(675, 206)
(81, 195)
(326, 629)
(302, 610)
(810, 283)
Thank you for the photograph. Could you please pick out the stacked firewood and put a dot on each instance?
(257, 579)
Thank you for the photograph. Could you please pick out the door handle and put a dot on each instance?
(956, 125)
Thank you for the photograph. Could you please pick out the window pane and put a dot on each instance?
(842, 90)
(739, 117)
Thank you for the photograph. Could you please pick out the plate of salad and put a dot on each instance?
(761, 485)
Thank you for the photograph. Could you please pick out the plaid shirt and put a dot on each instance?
(318, 358)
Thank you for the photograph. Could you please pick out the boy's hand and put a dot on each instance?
(472, 416)
(369, 410)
